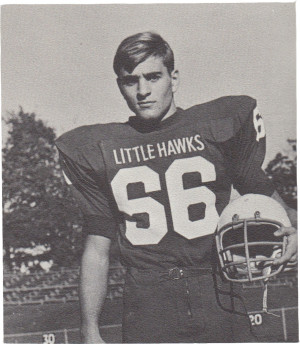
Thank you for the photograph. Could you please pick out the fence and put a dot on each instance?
(112, 333)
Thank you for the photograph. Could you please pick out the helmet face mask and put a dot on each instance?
(246, 244)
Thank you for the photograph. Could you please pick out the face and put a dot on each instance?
(149, 89)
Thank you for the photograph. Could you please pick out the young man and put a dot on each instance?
(157, 184)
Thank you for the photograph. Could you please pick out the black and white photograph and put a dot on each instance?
(149, 173)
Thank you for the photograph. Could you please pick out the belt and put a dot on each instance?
(174, 273)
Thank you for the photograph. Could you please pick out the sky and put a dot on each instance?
(57, 59)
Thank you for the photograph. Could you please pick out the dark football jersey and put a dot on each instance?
(160, 189)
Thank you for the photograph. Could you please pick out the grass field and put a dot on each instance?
(49, 318)
(62, 321)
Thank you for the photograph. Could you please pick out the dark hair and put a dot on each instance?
(137, 48)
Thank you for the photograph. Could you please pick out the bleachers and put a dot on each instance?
(59, 285)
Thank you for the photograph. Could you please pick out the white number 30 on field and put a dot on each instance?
(49, 338)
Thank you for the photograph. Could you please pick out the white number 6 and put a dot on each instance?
(258, 125)
(181, 199)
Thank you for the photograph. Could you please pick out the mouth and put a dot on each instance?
(146, 104)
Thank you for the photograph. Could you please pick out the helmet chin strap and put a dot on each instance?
(266, 271)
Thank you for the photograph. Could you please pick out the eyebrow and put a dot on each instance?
(152, 74)
(136, 77)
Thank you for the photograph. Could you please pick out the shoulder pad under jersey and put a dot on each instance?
(82, 140)
(223, 118)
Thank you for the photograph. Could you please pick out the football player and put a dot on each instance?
(157, 185)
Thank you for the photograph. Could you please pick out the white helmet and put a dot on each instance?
(245, 238)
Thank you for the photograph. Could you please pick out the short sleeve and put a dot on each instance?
(246, 152)
(92, 195)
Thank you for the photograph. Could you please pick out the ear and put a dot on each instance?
(120, 86)
(175, 80)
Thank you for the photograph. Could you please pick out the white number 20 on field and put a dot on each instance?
(256, 319)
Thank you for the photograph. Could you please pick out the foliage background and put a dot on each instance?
(41, 221)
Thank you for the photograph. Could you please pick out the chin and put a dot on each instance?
(148, 117)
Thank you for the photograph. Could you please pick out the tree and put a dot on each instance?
(37, 207)
(283, 172)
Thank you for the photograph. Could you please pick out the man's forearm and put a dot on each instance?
(93, 289)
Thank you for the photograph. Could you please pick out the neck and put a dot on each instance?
(172, 109)
(149, 125)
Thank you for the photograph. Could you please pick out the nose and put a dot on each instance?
(143, 90)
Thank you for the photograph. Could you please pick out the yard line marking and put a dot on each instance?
(284, 324)
(56, 331)
(275, 310)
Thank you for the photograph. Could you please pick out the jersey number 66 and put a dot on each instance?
(180, 199)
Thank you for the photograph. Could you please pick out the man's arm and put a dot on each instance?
(290, 232)
(93, 285)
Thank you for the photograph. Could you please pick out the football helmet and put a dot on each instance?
(245, 240)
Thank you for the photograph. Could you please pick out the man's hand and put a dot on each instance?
(290, 254)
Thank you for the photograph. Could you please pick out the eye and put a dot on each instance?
(128, 81)
(153, 77)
